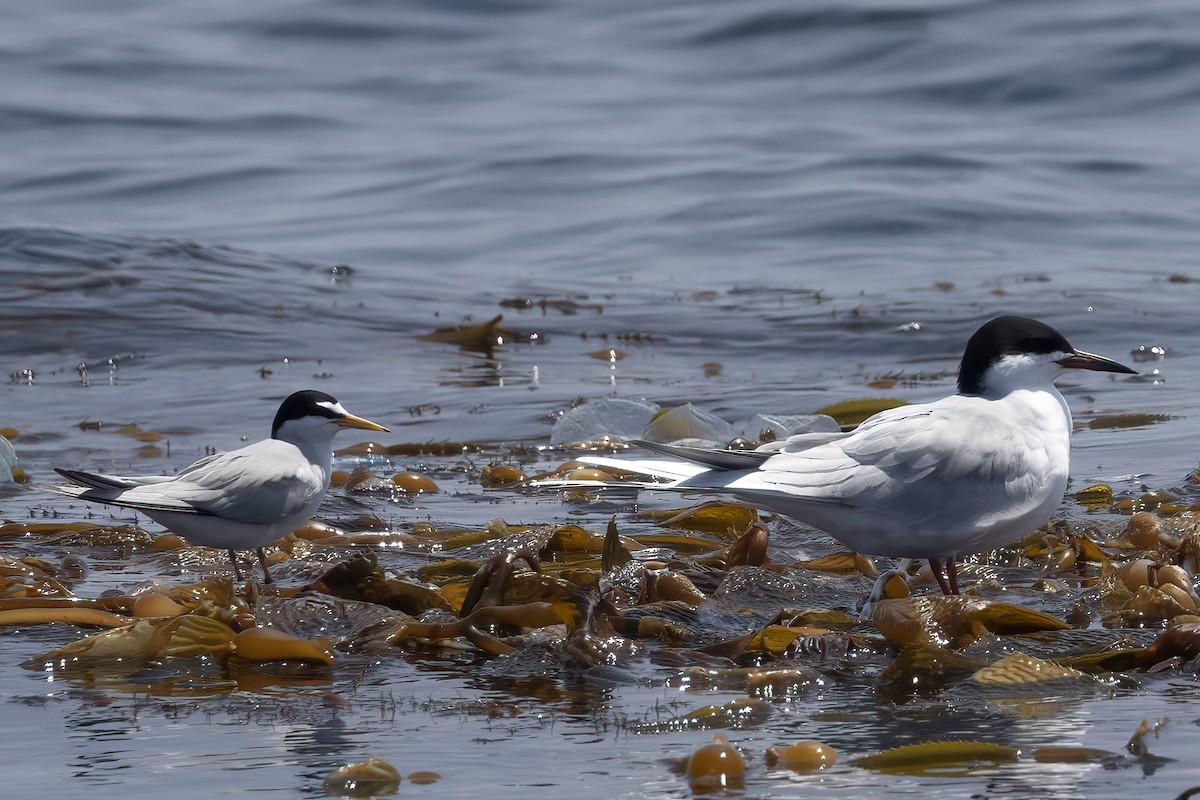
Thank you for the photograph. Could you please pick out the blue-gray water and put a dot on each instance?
(781, 188)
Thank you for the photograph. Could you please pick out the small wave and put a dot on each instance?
(780, 22)
(326, 29)
(14, 118)
(128, 291)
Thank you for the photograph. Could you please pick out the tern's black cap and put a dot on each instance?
(1004, 336)
(302, 404)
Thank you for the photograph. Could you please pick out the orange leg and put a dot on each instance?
(946, 574)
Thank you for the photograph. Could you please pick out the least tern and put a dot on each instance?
(243, 499)
(968, 473)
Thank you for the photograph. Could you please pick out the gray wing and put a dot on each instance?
(111, 489)
(953, 439)
(800, 442)
(743, 459)
(717, 459)
(916, 464)
(260, 483)
(97, 480)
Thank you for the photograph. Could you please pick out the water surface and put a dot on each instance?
(204, 208)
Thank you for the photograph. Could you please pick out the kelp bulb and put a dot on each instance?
(1143, 530)
(716, 765)
(413, 483)
(804, 756)
(363, 779)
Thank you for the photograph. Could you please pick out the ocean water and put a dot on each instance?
(205, 206)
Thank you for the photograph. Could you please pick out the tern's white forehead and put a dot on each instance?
(333, 406)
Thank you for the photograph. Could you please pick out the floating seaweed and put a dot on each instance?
(709, 598)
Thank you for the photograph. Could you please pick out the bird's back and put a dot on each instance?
(964, 467)
(261, 483)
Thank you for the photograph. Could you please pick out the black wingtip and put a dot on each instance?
(714, 458)
(92, 481)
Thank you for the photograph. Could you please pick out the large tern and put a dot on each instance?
(246, 498)
(971, 472)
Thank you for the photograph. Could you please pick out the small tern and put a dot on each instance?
(243, 499)
(968, 473)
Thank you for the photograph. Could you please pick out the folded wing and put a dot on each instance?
(258, 484)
